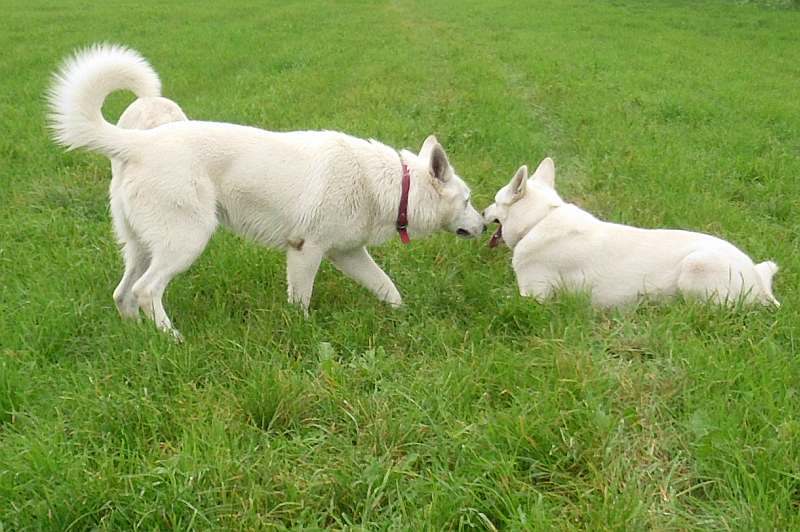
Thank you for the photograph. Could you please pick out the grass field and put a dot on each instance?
(471, 407)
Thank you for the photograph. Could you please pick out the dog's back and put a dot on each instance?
(147, 113)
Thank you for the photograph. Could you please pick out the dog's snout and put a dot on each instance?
(462, 232)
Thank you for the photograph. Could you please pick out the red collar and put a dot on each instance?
(402, 211)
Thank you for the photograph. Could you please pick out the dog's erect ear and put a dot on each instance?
(518, 183)
(439, 165)
(546, 173)
(433, 153)
(427, 146)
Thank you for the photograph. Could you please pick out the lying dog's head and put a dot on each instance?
(522, 203)
(448, 203)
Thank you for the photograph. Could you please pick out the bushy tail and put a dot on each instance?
(81, 86)
(766, 270)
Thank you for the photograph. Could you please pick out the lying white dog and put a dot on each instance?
(316, 194)
(557, 245)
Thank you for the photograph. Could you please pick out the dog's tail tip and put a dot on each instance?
(81, 84)
(766, 271)
(129, 68)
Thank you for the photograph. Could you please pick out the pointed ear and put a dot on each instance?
(433, 153)
(428, 145)
(546, 172)
(519, 183)
(439, 165)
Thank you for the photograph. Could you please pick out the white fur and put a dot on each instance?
(315, 194)
(143, 113)
(82, 84)
(557, 245)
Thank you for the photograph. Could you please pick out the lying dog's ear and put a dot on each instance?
(519, 183)
(438, 164)
(546, 173)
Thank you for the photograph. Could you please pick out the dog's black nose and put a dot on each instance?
(462, 232)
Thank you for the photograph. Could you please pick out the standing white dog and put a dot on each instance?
(315, 194)
(558, 245)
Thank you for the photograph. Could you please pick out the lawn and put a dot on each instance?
(471, 407)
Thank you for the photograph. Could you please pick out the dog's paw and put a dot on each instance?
(177, 336)
(127, 306)
(175, 333)
(393, 299)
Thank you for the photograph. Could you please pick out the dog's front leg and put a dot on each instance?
(359, 266)
(302, 263)
(539, 289)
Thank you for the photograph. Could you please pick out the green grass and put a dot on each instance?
(471, 407)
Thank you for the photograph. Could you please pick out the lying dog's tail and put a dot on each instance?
(766, 270)
(79, 89)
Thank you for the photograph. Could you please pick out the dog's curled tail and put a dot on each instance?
(81, 86)
(766, 270)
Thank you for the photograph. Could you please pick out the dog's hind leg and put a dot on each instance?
(359, 266)
(707, 275)
(302, 263)
(168, 260)
(136, 262)
(137, 259)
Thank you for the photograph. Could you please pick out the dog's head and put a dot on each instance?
(450, 196)
(522, 203)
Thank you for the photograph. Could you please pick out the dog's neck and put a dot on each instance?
(421, 221)
(518, 233)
